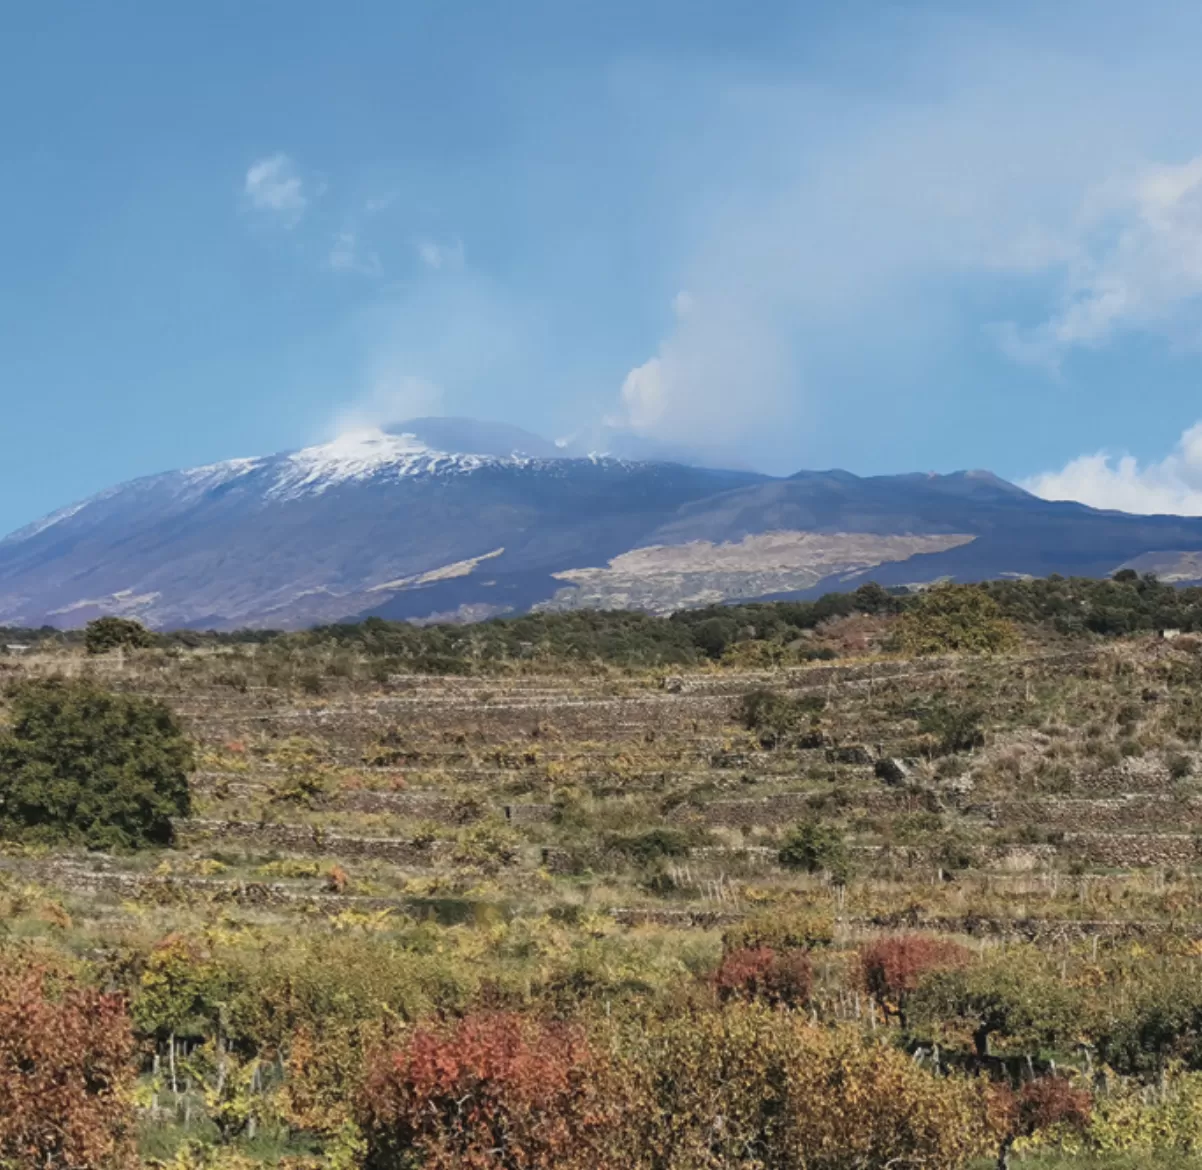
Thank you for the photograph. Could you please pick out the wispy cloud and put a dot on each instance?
(1170, 485)
(438, 255)
(273, 186)
(390, 397)
(857, 239)
(348, 255)
(1133, 263)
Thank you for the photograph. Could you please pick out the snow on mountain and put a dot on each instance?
(360, 455)
(366, 454)
(437, 518)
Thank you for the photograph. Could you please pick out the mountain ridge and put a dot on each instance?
(388, 522)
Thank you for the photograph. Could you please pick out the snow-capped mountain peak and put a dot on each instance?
(365, 454)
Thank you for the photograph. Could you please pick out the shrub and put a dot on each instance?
(1014, 997)
(782, 979)
(955, 618)
(954, 729)
(653, 845)
(816, 847)
(1040, 1105)
(1162, 1025)
(66, 1074)
(112, 633)
(781, 930)
(773, 715)
(180, 991)
(750, 1085)
(891, 968)
(491, 1091)
(84, 765)
(488, 844)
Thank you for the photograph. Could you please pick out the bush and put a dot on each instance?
(1040, 1105)
(491, 1091)
(815, 847)
(653, 845)
(113, 633)
(955, 729)
(1014, 997)
(81, 764)
(180, 991)
(773, 716)
(782, 979)
(1163, 1025)
(955, 618)
(66, 1074)
(891, 968)
(748, 1085)
(781, 930)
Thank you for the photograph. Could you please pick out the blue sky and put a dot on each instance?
(885, 237)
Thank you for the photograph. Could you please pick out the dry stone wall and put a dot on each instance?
(306, 840)
(1134, 850)
(1108, 814)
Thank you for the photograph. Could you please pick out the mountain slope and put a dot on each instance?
(454, 518)
(320, 534)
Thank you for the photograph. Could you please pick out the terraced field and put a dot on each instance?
(647, 798)
(614, 849)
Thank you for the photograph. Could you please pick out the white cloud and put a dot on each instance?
(1172, 485)
(391, 397)
(273, 186)
(836, 238)
(643, 396)
(347, 255)
(1135, 264)
(438, 256)
(715, 377)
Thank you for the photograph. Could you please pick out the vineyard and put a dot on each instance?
(882, 905)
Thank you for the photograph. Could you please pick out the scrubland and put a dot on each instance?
(906, 884)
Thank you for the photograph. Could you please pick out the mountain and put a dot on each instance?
(454, 519)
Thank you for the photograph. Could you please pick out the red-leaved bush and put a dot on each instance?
(495, 1091)
(781, 978)
(1041, 1104)
(66, 1074)
(892, 967)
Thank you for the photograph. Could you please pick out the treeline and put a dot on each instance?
(945, 618)
(783, 630)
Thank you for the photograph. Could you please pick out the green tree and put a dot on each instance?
(113, 633)
(816, 847)
(84, 765)
(1015, 997)
(954, 729)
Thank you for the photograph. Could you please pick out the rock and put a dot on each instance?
(892, 770)
(855, 753)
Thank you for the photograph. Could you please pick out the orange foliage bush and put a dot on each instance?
(781, 978)
(750, 1085)
(66, 1074)
(491, 1091)
(891, 968)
